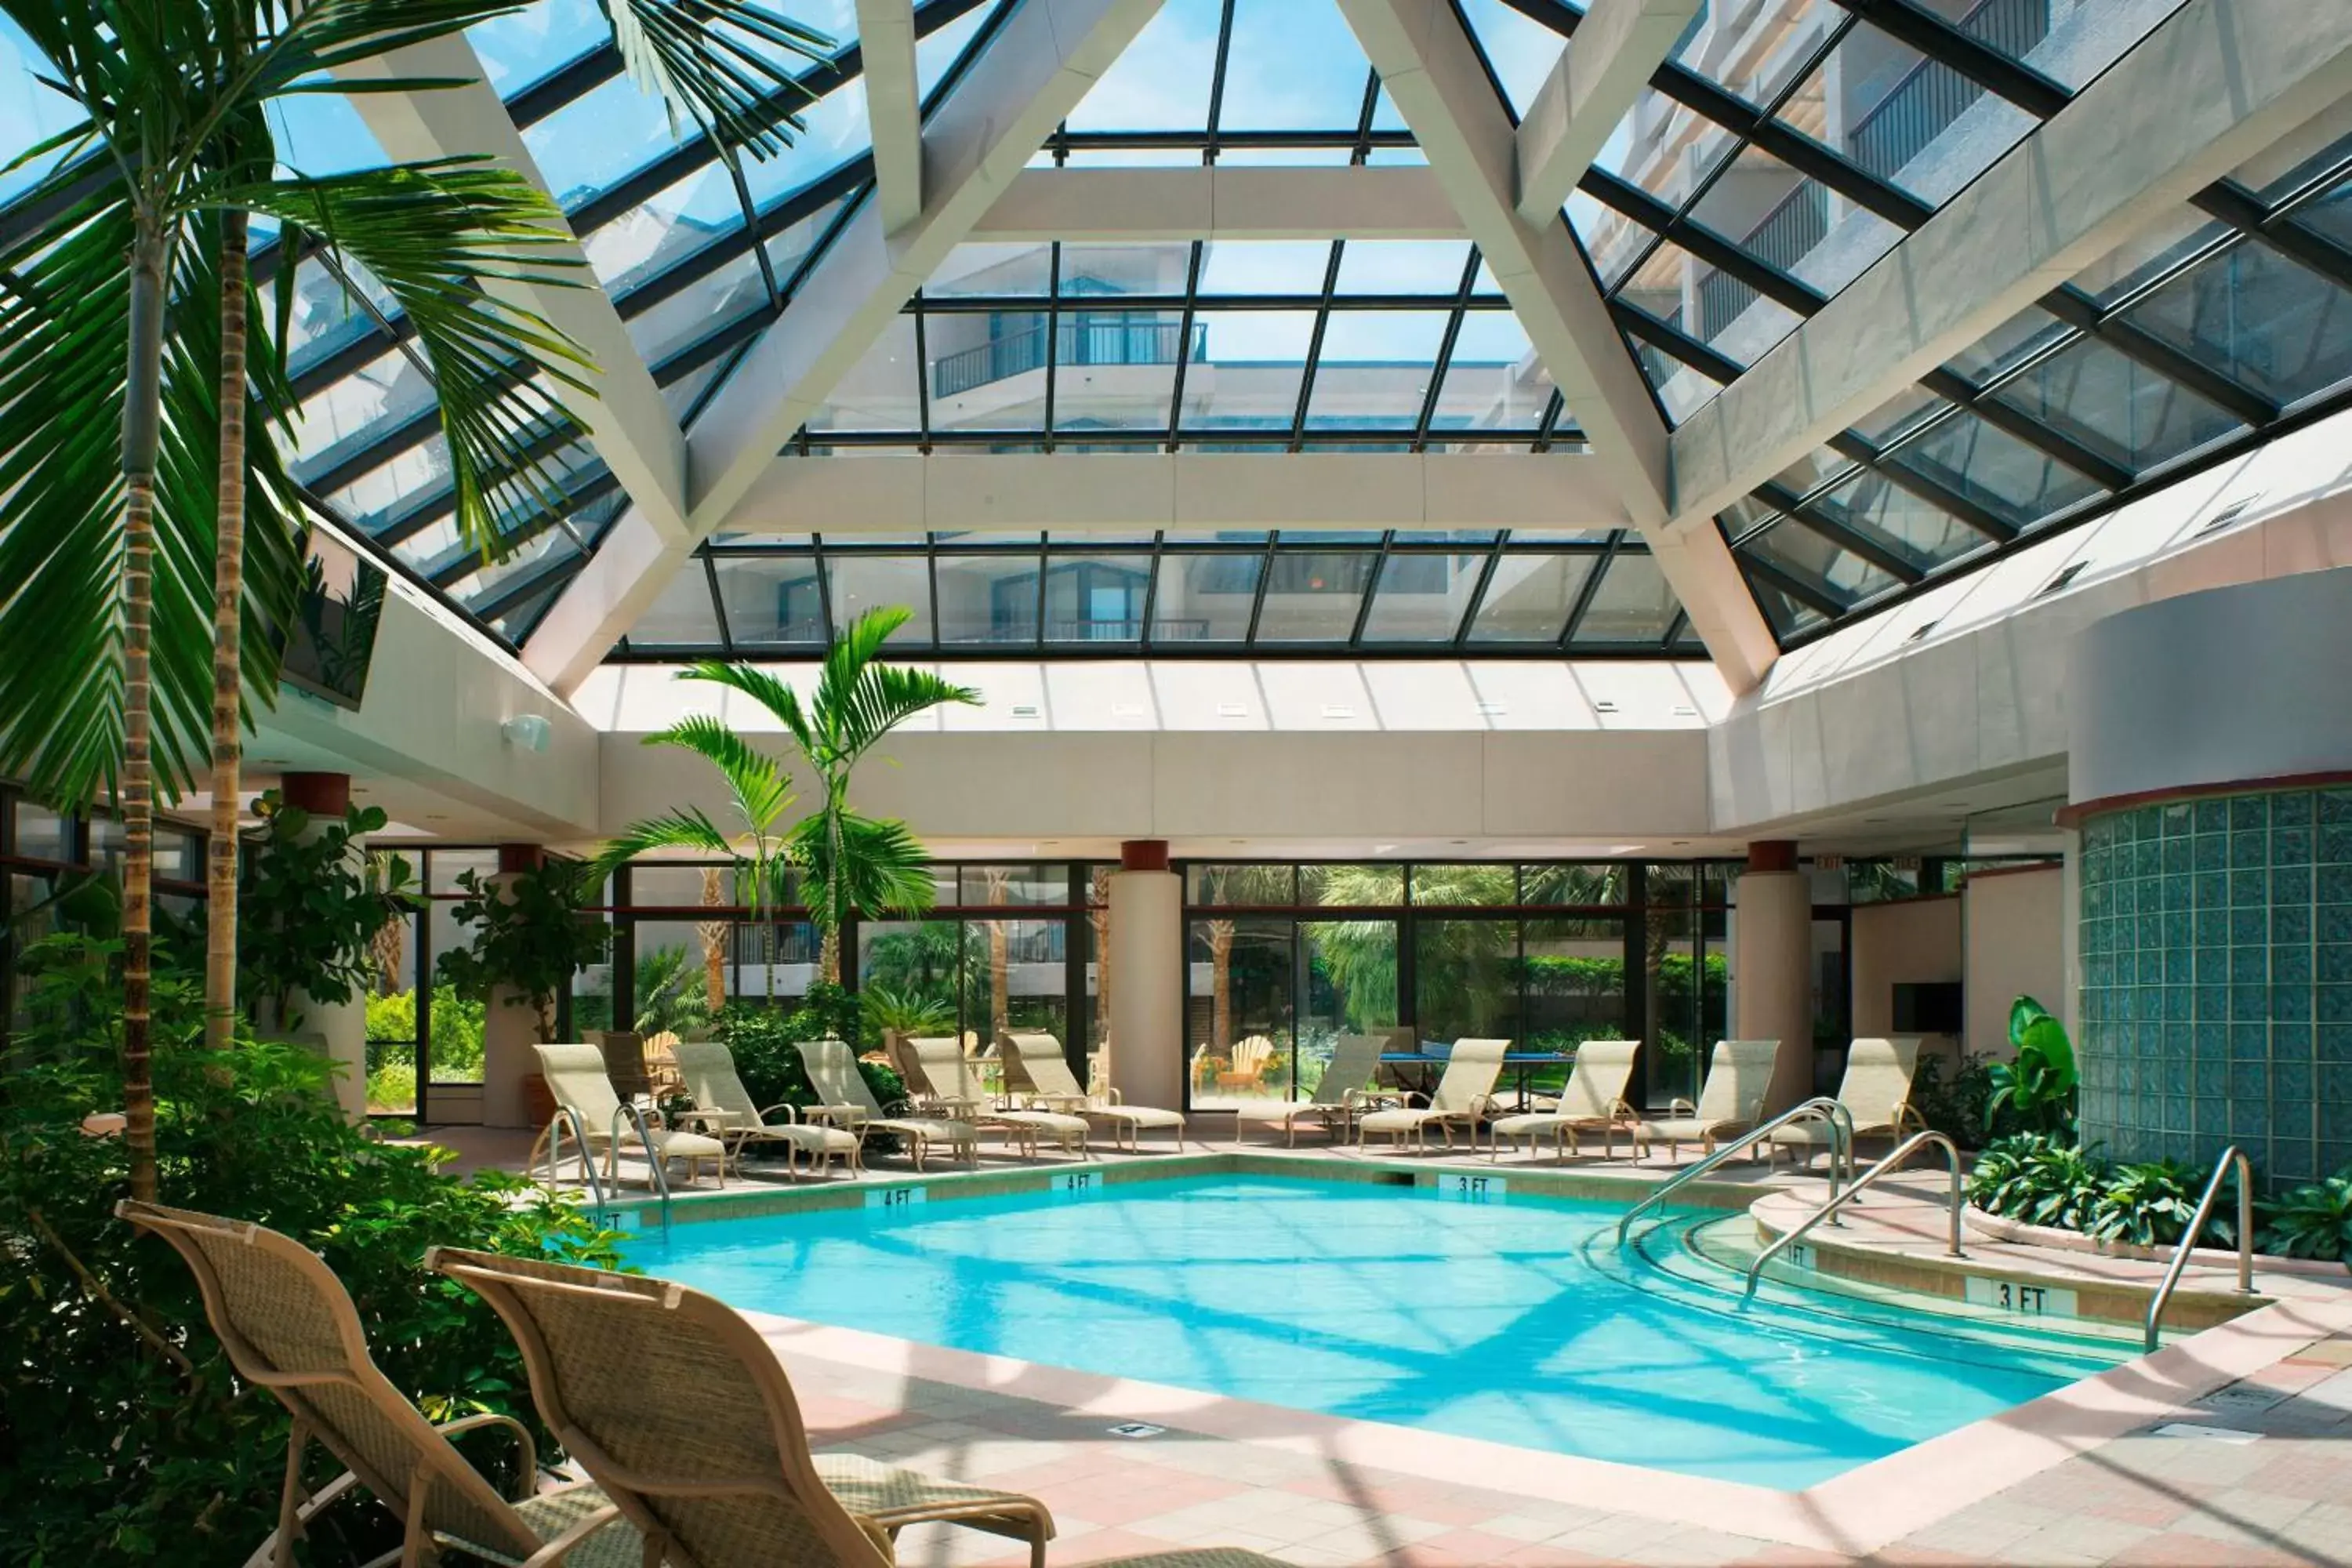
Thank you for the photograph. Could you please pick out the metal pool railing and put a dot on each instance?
(1838, 1200)
(1821, 1106)
(2222, 1167)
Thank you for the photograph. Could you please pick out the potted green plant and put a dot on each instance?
(530, 937)
(312, 902)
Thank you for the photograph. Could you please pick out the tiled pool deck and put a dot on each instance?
(2256, 1469)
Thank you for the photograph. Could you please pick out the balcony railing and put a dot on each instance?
(1899, 127)
(1785, 237)
(1080, 342)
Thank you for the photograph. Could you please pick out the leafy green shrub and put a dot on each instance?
(458, 1024)
(529, 936)
(760, 1039)
(1957, 1102)
(123, 1436)
(2314, 1220)
(2150, 1205)
(2037, 1087)
(2040, 1178)
(310, 904)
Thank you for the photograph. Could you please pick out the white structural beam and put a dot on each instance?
(2215, 84)
(1601, 72)
(1034, 73)
(632, 428)
(1133, 492)
(1430, 67)
(1136, 205)
(886, 42)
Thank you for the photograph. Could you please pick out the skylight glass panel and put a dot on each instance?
(863, 583)
(1679, 387)
(2030, 333)
(1096, 598)
(693, 310)
(936, 53)
(29, 113)
(528, 44)
(683, 397)
(1162, 82)
(320, 134)
(682, 616)
(682, 218)
(327, 318)
(1913, 121)
(987, 373)
(1528, 598)
(1093, 271)
(792, 248)
(974, 269)
(345, 415)
(987, 598)
(1612, 242)
(1294, 65)
(1205, 598)
(1664, 149)
(1264, 266)
(517, 622)
(1403, 265)
(2125, 412)
(881, 391)
(1520, 50)
(1717, 308)
(1875, 505)
(1789, 616)
(1422, 598)
(836, 131)
(2266, 323)
(1995, 470)
(1249, 370)
(599, 137)
(1374, 369)
(1494, 380)
(1811, 558)
(1792, 224)
(1314, 596)
(1117, 369)
(1633, 603)
(773, 603)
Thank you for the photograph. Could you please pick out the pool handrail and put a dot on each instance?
(1825, 1107)
(1838, 1200)
(653, 1159)
(564, 1115)
(2231, 1156)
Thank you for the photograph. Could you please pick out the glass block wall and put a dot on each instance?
(2217, 981)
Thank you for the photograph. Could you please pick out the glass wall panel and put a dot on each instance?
(1632, 604)
(42, 834)
(1347, 976)
(862, 582)
(1240, 987)
(1529, 597)
(1464, 886)
(1421, 598)
(1466, 977)
(1574, 971)
(773, 601)
(684, 974)
(1017, 976)
(1573, 882)
(1340, 886)
(1314, 596)
(1243, 883)
(988, 598)
(1096, 598)
(1043, 883)
(454, 1025)
(392, 1023)
(1253, 361)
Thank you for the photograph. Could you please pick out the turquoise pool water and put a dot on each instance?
(1518, 1322)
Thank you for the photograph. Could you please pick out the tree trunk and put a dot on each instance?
(714, 934)
(141, 436)
(1221, 976)
(999, 964)
(828, 957)
(228, 596)
(1099, 918)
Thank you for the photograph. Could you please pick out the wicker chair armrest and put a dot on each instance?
(588, 1524)
(529, 1476)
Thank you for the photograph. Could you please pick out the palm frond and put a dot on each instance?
(61, 402)
(885, 696)
(716, 60)
(883, 866)
(763, 689)
(764, 790)
(685, 829)
(450, 240)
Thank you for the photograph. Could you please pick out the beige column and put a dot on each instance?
(1772, 966)
(1147, 955)
(508, 1031)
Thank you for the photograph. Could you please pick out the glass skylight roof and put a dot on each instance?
(1224, 595)
(1785, 147)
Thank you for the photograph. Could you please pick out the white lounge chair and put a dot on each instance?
(1465, 1093)
(706, 1072)
(1593, 1100)
(1739, 1079)
(844, 1098)
(952, 1087)
(1875, 1092)
(576, 1076)
(1343, 1090)
(1037, 1071)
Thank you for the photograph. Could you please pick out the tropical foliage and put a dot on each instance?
(2037, 1086)
(2314, 1220)
(312, 904)
(123, 1436)
(761, 1040)
(2043, 1178)
(531, 934)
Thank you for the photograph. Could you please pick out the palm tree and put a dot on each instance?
(851, 861)
(102, 536)
(1238, 884)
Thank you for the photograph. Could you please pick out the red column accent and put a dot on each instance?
(1772, 855)
(1143, 855)
(521, 856)
(321, 795)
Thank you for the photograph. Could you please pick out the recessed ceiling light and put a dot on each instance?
(1604, 706)
(1231, 710)
(1025, 710)
(1338, 710)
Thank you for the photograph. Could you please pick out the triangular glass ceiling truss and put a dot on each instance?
(1225, 594)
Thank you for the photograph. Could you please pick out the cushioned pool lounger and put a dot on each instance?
(1593, 1101)
(707, 1071)
(576, 1076)
(1342, 1091)
(1875, 1092)
(1729, 1101)
(952, 1082)
(1465, 1094)
(289, 1326)
(1037, 1070)
(844, 1096)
